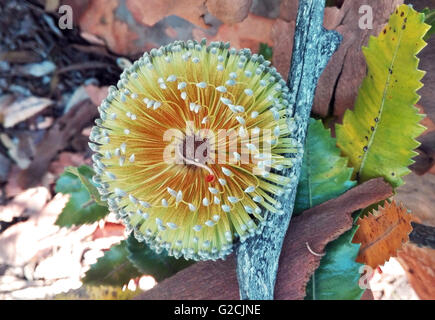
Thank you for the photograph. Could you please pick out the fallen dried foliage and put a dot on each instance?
(382, 233)
(316, 226)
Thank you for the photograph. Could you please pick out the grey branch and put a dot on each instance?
(258, 257)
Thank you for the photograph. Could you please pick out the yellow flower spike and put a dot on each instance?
(191, 145)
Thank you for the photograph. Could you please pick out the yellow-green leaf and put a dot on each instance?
(378, 137)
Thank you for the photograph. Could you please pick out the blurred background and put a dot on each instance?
(53, 75)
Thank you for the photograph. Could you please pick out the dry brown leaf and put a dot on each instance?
(99, 19)
(419, 266)
(20, 243)
(425, 161)
(12, 187)
(56, 139)
(418, 194)
(229, 11)
(21, 110)
(27, 203)
(65, 159)
(282, 37)
(155, 10)
(108, 229)
(288, 10)
(382, 233)
(96, 94)
(347, 67)
(247, 34)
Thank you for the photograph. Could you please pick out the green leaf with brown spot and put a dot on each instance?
(378, 136)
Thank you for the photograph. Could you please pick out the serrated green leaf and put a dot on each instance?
(324, 176)
(338, 274)
(82, 207)
(378, 137)
(113, 269)
(430, 20)
(160, 266)
(324, 173)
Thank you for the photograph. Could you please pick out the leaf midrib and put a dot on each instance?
(381, 237)
(379, 116)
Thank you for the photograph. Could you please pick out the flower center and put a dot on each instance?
(195, 150)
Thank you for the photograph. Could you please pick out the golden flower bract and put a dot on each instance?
(199, 206)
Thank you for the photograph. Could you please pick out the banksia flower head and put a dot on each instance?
(191, 147)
